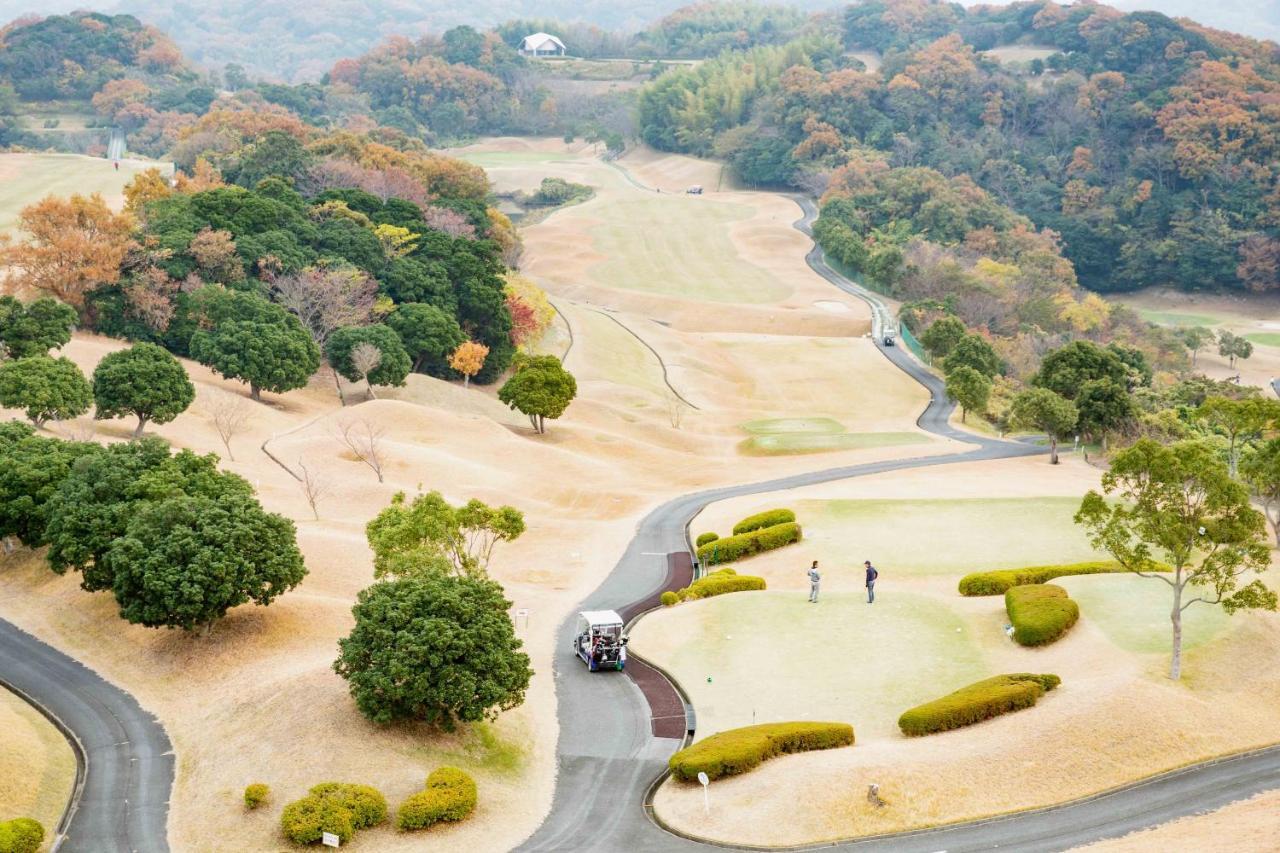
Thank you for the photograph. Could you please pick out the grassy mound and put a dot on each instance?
(760, 520)
(745, 544)
(715, 583)
(977, 702)
(450, 795)
(1040, 613)
(1000, 582)
(740, 750)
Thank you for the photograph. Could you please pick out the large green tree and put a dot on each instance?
(185, 561)
(1240, 421)
(1232, 346)
(969, 388)
(428, 334)
(1042, 409)
(540, 388)
(428, 535)
(436, 648)
(1178, 505)
(257, 342)
(144, 381)
(45, 388)
(1065, 370)
(34, 328)
(1105, 406)
(392, 363)
(976, 352)
(942, 335)
(31, 469)
(1261, 473)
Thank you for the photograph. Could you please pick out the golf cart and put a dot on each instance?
(599, 641)
(889, 338)
(696, 189)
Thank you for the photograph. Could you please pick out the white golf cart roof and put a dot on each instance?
(600, 617)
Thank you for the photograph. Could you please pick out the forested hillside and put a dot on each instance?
(1149, 147)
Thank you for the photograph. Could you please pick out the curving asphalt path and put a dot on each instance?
(125, 761)
(609, 762)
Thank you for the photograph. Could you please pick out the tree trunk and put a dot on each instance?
(417, 364)
(1233, 459)
(142, 422)
(964, 413)
(337, 383)
(372, 396)
(542, 425)
(1053, 450)
(466, 380)
(255, 393)
(533, 422)
(39, 422)
(1175, 667)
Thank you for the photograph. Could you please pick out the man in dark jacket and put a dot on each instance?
(872, 574)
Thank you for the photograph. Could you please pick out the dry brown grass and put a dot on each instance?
(1252, 825)
(37, 766)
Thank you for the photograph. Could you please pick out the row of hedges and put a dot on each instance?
(1000, 582)
(450, 795)
(716, 583)
(1040, 613)
(740, 750)
(761, 520)
(745, 544)
(704, 538)
(977, 702)
(21, 835)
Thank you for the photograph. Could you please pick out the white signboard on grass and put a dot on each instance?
(328, 839)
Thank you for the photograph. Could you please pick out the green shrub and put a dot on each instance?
(1040, 613)
(719, 583)
(1000, 582)
(760, 520)
(21, 835)
(740, 750)
(745, 544)
(337, 807)
(450, 795)
(977, 702)
(669, 598)
(704, 538)
(255, 795)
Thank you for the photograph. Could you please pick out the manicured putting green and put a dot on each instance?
(945, 536)
(678, 246)
(840, 659)
(1177, 318)
(1134, 612)
(1266, 339)
(781, 436)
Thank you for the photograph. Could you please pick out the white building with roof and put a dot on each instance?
(541, 44)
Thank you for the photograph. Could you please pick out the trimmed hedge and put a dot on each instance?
(450, 795)
(337, 807)
(977, 702)
(669, 598)
(704, 538)
(1000, 582)
(1040, 613)
(716, 583)
(740, 750)
(255, 795)
(21, 835)
(761, 520)
(745, 544)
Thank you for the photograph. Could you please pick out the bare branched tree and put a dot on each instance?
(79, 429)
(364, 439)
(325, 298)
(315, 487)
(365, 358)
(230, 414)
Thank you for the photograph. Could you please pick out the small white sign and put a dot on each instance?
(328, 839)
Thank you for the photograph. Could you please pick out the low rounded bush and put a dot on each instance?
(337, 807)
(255, 795)
(740, 750)
(21, 835)
(745, 544)
(704, 538)
(1000, 582)
(977, 702)
(761, 520)
(720, 582)
(669, 598)
(450, 795)
(1040, 613)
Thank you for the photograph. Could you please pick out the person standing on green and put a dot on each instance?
(814, 580)
(872, 574)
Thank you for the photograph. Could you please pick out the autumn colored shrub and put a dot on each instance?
(337, 807)
(255, 795)
(450, 795)
(977, 702)
(741, 750)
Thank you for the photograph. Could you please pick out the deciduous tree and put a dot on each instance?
(428, 535)
(1196, 338)
(1178, 505)
(389, 368)
(1232, 346)
(467, 358)
(540, 388)
(942, 335)
(973, 351)
(1261, 473)
(45, 388)
(969, 388)
(145, 381)
(435, 648)
(326, 298)
(1241, 421)
(1042, 409)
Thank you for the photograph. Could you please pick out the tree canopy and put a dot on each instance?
(34, 328)
(392, 365)
(429, 536)
(540, 388)
(45, 388)
(1042, 409)
(270, 349)
(144, 381)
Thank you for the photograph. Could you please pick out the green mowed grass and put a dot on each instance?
(1176, 318)
(840, 659)
(1134, 611)
(613, 352)
(679, 247)
(784, 436)
(1266, 339)
(40, 175)
(945, 536)
(513, 158)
